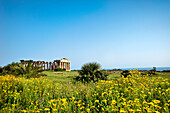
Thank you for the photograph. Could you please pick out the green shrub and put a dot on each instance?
(59, 69)
(151, 72)
(27, 71)
(91, 72)
(1, 69)
(125, 73)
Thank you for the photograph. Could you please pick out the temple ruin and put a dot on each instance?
(63, 64)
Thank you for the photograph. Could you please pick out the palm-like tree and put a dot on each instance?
(91, 71)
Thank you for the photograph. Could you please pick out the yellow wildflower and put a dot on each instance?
(96, 100)
(47, 109)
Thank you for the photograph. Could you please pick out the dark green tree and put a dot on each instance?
(1, 70)
(91, 72)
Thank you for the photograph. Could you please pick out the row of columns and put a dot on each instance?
(64, 65)
(48, 65)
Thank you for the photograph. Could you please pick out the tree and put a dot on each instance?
(91, 72)
(1, 69)
(125, 73)
(26, 71)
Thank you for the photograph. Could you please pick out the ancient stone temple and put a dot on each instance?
(63, 64)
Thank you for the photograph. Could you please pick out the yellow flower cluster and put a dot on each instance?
(126, 95)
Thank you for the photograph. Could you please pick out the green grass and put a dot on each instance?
(163, 74)
(60, 76)
(68, 76)
(113, 74)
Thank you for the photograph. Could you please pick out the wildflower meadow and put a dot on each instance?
(133, 94)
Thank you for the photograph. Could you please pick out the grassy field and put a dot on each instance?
(60, 76)
(68, 76)
(57, 93)
(133, 94)
(162, 74)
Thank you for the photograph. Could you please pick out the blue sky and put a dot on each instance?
(114, 33)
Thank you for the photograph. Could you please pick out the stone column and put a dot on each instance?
(69, 66)
(54, 65)
(44, 66)
(47, 65)
(41, 65)
(50, 66)
(61, 65)
(66, 66)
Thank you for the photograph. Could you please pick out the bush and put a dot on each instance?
(59, 69)
(166, 71)
(1, 69)
(27, 71)
(149, 73)
(125, 73)
(101, 75)
(91, 72)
